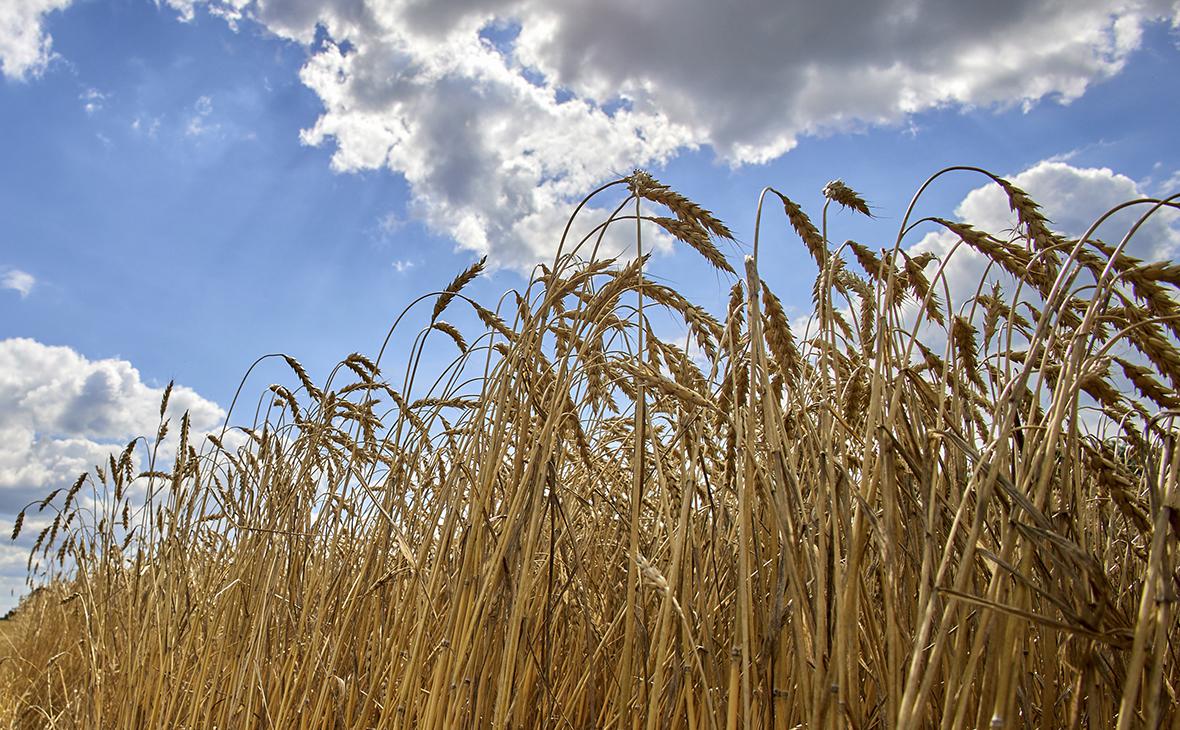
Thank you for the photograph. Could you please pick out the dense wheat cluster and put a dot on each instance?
(922, 512)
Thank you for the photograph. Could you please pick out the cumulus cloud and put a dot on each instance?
(25, 47)
(499, 113)
(490, 156)
(1072, 198)
(21, 282)
(60, 414)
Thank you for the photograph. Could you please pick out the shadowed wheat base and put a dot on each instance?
(897, 520)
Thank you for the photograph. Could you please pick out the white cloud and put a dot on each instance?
(25, 47)
(149, 126)
(1072, 198)
(488, 154)
(12, 570)
(22, 282)
(92, 100)
(198, 122)
(60, 414)
(1171, 186)
(389, 224)
(401, 266)
(497, 138)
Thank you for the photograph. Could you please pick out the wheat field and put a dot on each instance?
(918, 511)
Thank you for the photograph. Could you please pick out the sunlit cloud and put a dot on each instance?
(25, 48)
(92, 100)
(61, 413)
(22, 282)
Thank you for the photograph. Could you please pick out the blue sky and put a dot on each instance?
(187, 185)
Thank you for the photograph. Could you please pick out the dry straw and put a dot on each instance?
(918, 513)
